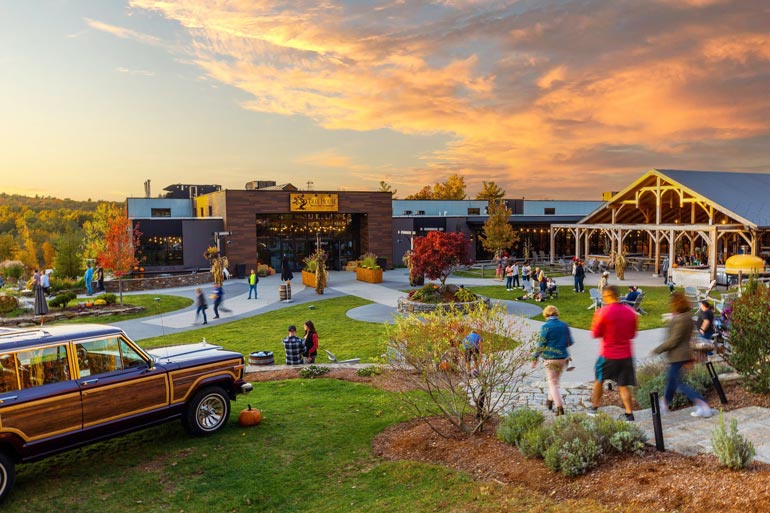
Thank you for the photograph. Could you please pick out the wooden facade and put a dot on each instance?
(241, 209)
(663, 215)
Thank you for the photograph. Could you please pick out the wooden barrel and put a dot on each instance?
(284, 292)
(261, 358)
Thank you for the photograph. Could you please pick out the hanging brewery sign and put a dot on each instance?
(314, 203)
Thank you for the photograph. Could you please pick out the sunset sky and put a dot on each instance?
(557, 99)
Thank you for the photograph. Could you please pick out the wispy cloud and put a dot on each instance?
(581, 95)
(130, 71)
(123, 33)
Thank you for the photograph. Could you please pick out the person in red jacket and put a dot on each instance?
(311, 342)
(616, 325)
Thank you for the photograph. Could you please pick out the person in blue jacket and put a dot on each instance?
(89, 278)
(555, 338)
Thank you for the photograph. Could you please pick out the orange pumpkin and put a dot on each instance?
(250, 417)
(89, 304)
(444, 366)
(675, 266)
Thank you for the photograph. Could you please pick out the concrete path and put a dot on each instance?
(682, 433)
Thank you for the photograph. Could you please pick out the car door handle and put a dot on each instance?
(8, 398)
(89, 381)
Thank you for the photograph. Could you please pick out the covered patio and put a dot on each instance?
(694, 219)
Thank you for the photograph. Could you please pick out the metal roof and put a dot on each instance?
(744, 194)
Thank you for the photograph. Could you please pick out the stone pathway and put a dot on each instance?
(682, 433)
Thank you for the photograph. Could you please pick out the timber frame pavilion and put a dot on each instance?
(666, 212)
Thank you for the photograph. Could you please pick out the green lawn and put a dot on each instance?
(151, 307)
(344, 337)
(312, 453)
(573, 308)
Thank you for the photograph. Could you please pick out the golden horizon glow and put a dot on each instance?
(549, 99)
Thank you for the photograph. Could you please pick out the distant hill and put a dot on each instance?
(43, 219)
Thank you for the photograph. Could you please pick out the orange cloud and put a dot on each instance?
(585, 95)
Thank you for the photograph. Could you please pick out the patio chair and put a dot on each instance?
(596, 299)
(691, 293)
(704, 294)
(636, 304)
(333, 358)
(591, 266)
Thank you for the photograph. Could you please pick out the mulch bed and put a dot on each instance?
(651, 482)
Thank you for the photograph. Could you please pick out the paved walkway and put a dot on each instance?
(682, 433)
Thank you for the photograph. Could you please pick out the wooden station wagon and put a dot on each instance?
(66, 386)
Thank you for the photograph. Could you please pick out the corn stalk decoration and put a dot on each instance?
(619, 258)
(218, 264)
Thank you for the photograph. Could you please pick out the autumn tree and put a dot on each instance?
(49, 254)
(385, 187)
(423, 194)
(67, 261)
(119, 253)
(452, 189)
(9, 248)
(28, 252)
(490, 191)
(96, 229)
(438, 254)
(498, 233)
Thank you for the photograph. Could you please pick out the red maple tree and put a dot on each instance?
(119, 255)
(437, 254)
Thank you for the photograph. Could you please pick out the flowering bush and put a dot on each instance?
(749, 321)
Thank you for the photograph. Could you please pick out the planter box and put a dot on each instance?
(369, 275)
(308, 279)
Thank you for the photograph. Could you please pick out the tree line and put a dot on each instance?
(46, 232)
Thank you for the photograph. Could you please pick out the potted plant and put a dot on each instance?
(314, 273)
(368, 270)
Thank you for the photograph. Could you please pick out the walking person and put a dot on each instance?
(678, 353)
(604, 280)
(555, 338)
(615, 324)
(202, 304)
(311, 342)
(218, 295)
(580, 275)
(253, 280)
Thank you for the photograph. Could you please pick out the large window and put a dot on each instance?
(160, 212)
(296, 236)
(161, 250)
(106, 355)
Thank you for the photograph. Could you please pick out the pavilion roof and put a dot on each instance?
(688, 197)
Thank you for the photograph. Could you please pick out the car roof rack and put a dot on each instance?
(15, 332)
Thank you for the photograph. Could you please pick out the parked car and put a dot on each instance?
(62, 387)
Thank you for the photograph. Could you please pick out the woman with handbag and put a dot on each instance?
(678, 352)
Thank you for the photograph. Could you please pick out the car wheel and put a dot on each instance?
(207, 412)
(7, 475)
